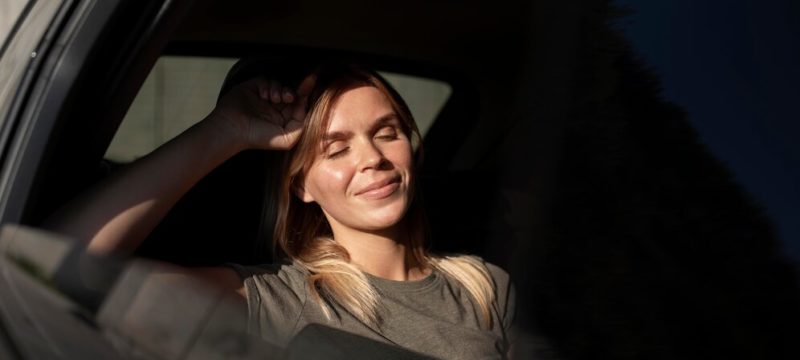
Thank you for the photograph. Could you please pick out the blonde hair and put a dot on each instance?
(302, 232)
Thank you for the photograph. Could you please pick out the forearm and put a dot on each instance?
(116, 215)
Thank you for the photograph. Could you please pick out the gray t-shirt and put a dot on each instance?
(434, 316)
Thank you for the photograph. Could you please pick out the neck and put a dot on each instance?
(380, 253)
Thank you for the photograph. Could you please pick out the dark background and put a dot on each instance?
(670, 227)
(733, 67)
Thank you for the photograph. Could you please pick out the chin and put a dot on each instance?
(380, 219)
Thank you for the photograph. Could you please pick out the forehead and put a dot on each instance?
(359, 106)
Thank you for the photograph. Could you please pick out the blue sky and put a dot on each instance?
(734, 66)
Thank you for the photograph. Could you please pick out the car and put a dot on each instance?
(535, 158)
(75, 68)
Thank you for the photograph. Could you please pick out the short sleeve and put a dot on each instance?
(276, 296)
(511, 310)
(505, 300)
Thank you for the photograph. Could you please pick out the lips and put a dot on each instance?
(380, 189)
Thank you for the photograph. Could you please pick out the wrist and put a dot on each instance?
(224, 132)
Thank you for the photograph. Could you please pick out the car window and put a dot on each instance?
(182, 90)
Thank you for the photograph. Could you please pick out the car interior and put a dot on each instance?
(228, 206)
(229, 215)
(548, 150)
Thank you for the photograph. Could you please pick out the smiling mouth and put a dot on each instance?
(380, 189)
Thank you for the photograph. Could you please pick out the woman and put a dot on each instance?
(350, 228)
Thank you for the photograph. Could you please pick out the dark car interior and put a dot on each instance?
(555, 157)
(228, 216)
(203, 220)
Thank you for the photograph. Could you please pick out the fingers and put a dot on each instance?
(307, 85)
(298, 110)
(288, 112)
(296, 113)
(262, 87)
(286, 95)
(291, 132)
(282, 110)
(273, 92)
(273, 115)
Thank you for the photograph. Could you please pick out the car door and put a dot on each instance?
(54, 56)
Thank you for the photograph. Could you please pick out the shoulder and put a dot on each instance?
(503, 291)
(501, 281)
(276, 296)
(282, 285)
(274, 276)
(499, 276)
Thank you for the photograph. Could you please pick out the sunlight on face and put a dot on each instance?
(361, 176)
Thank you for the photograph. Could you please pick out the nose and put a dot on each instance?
(370, 156)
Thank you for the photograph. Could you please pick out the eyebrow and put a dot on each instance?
(385, 119)
(341, 135)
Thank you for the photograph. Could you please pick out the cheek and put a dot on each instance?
(328, 182)
(401, 154)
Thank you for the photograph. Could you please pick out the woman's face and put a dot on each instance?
(361, 175)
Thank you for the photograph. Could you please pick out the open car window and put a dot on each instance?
(182, 90)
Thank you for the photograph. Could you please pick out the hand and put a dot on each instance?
(263, 114)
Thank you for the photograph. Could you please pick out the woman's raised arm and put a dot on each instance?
(115, 216)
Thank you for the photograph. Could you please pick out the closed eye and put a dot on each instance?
(336, 151)
(387, 133)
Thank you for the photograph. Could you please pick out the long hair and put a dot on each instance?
(303, 234)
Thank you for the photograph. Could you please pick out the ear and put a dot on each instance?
(300, 191)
